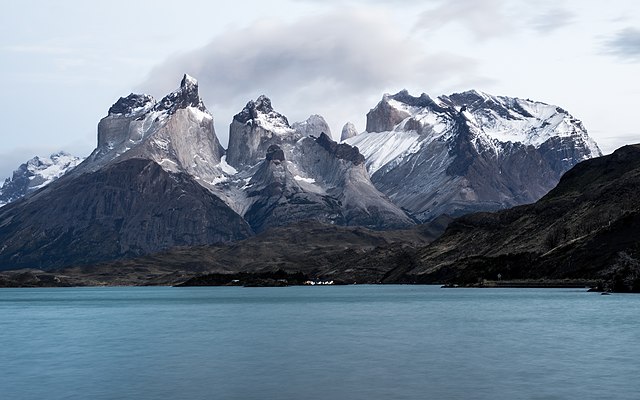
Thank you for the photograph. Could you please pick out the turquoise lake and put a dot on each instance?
(342, 342)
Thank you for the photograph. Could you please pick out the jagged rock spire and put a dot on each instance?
(348, 131)
(186, 96)
(262, 105)
(132, 105)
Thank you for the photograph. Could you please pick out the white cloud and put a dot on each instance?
(42, 49)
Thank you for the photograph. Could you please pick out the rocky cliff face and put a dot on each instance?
(254, 129)
(291, 173)
(348, 131)
(36, 174)
(177, 133)
(312, 126)
(469, 151)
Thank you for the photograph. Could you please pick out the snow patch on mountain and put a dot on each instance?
(302, 179)
(507, 119)
(226, 168)
(273, 124)
(381, 148)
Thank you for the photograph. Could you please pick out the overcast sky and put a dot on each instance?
(62, 64)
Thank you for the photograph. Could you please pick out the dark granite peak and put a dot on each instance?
(274, 153)
(403, 96)
(130, 104)
(262, 105)
(186, 96)
(342, 151)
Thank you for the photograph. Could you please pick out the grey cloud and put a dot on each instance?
(625, 44)
(336, 64)
(489, 19)
(485, 19)
(552, 20)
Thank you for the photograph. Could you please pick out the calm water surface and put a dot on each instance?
(350, 342)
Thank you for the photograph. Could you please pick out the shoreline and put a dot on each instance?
(530, 283)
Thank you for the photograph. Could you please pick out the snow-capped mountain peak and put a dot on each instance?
(133, 105)
(36, 173)
(261, 113)
(176, 132)
(454, 154)
(185, 96)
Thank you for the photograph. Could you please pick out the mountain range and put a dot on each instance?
(583, 232)
(159, 177)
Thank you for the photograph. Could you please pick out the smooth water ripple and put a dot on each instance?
(344, 342)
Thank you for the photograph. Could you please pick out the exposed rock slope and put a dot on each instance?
(348, 131)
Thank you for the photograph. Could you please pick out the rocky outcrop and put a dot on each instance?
(315, 125)
(253, 130)
(177, 133)
(468, 152)
(342, 151)
(279, 198)
(127, 209)
(348, 131)
(187, 96)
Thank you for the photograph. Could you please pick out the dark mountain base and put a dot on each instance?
(588, 227)
(319, 251)
(123, 211)
(279, 278)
